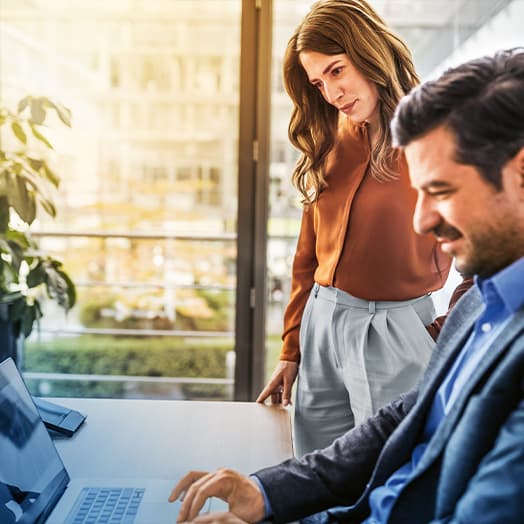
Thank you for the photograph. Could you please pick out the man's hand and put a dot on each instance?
(280, 383)
(241, 493)
(218, 517)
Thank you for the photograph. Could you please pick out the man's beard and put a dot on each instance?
(488, 250)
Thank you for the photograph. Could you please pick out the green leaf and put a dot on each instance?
(63, 112)
(48, 206)
(33, 178)
(4, 213)
(4, 246)
(4, 175)
(38, 112)
(20, 237)
(17, 306)
(40, 136)
(22, 200)
(23, 103)
(70, 289)
(17, 256)
(28, 319)
(19, 132)
(35, 163)
(59, 285)
(37, 275)
(9, 277)
(50, 175)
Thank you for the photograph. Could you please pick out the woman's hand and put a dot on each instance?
(280, 383)
(241, 493)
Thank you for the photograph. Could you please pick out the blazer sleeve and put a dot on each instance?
(304, 267)
(337, 475)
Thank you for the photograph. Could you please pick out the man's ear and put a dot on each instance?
(515, 171)
(519, 165)
(519, 158)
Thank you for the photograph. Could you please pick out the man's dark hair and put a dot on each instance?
(481, 102)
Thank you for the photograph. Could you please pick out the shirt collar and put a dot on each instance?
(507, 284)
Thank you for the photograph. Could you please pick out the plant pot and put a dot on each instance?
(11, 338)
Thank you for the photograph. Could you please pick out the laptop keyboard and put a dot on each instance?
(106, 506)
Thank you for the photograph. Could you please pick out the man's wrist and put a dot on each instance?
(268, 511)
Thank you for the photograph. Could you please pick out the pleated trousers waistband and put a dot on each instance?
(343, 298)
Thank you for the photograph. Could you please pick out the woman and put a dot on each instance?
(355, 326)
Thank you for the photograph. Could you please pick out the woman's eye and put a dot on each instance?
(336, 71)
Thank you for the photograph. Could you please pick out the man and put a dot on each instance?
(453, 449)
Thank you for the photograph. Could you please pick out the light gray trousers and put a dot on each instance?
(356, 356)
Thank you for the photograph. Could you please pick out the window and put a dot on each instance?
(169, 281)
(147, 208)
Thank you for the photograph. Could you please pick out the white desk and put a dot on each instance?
(166, 438)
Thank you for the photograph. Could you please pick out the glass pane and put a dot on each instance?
(146, 208)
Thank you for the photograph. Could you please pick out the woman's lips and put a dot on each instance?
(348, 107)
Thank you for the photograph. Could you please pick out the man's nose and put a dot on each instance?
(425, 217)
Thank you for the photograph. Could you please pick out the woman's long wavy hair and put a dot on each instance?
(334, 27)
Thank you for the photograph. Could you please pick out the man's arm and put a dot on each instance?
(495, 494)
(330, 477)
(336, 475)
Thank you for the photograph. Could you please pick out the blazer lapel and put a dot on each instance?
(500, 345)
(449, 345)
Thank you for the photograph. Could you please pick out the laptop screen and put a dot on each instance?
(32, 475)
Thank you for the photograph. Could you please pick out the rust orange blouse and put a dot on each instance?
(358, 236)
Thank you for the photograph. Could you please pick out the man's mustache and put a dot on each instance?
(445, 231)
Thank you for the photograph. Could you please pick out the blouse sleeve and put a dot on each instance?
(304, 266)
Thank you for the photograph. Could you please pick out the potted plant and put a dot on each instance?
(26, 185)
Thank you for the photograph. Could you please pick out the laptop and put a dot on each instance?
(36, 488)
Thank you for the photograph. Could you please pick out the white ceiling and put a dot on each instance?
(434, 28)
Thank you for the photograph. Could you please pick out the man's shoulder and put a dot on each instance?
(462, 316)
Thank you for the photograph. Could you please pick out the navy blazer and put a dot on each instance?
(473, 468)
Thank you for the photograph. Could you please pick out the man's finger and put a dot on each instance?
(184, 483)
(211, 485)
(218, 518)
(188, 503)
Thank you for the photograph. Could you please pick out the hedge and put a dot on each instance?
(154, 357)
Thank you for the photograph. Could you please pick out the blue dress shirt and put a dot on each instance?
(503, 295)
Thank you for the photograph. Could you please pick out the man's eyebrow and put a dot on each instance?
(435, 184)
(326, 70)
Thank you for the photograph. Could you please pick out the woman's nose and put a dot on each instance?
(333, 93)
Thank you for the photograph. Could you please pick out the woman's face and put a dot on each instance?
(342, 85)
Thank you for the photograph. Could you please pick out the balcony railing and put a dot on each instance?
(133, 382)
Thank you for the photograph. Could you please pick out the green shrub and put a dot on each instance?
(153, 357)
